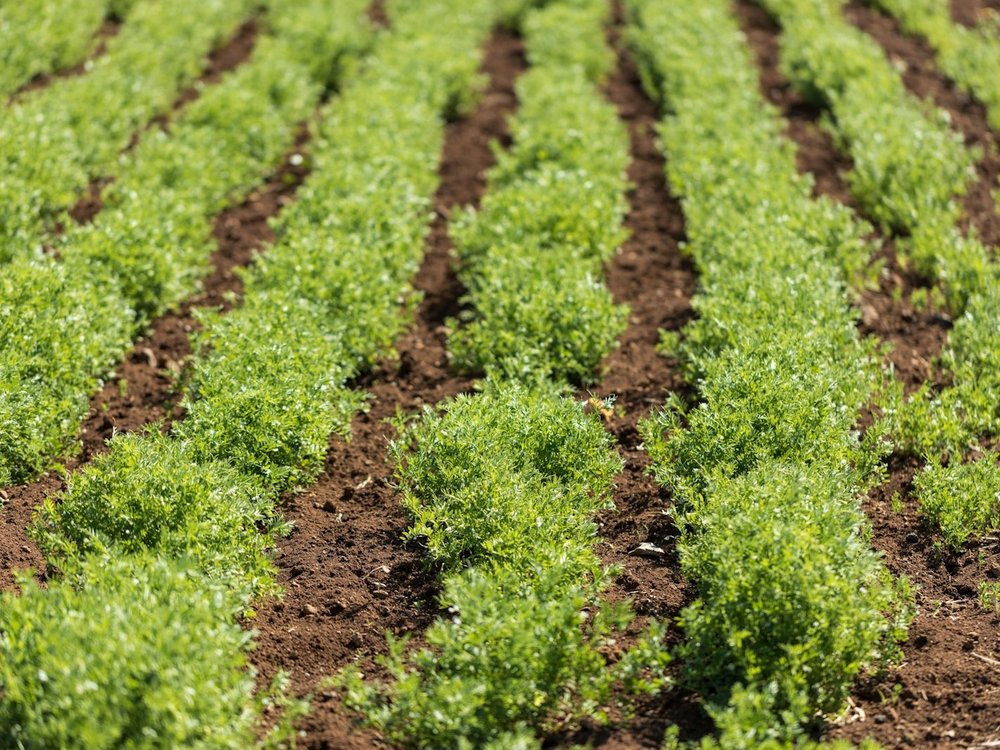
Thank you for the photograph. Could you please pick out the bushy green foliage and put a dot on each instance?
(47, 369)
(66, 321)
(969, 56)
(269, 384)
(948, 421)
(533, 252)
(502, 475)
(908, 163)
(38, 39)
(268, 390)
(516, 654)
(82, 123)
(570, 33)
(216, 151)
(149, 494)
(766, 469)
(791, 595)
(962, 498)
(745, 724)
(145, 653)
(503, 486)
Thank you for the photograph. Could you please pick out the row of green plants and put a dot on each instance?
(48, 37)
(946, 424)
(503, 485)
(766, 468)
(165, 542)
(65, 322)
(910, 166)
(909, 169)
(532, 255)
(970, 56)
(54, 141)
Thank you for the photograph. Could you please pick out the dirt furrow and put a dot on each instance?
(109, 28)
(969, 12)
(652, 276)
(922, 77)
(144, 388)
(348, 577)
(946, 693)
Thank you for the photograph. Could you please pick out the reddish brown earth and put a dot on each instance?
(377, 14)
(949, 691)
(656, 281)
(949, 683)
(108, 29)
(969, 12)
(348, 578)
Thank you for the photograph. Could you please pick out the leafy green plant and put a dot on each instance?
(766, 469)
(39, 39)
(149, 494)
(969, 56)
(503, 486)
(533, 252)
(145, 653)
(268, 385)
(65, 322)
(806, 614)
(82, 123)
(963, 499)
(989, 595)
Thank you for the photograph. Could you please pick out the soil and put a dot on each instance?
(969, 12)
(656, 280)
(948, 693)
(377, 14)
(348, 577)
(109, 28)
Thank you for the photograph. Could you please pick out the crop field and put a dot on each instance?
(501, 374)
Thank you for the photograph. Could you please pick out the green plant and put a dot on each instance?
(149, 494)
(64, 322)
(767, 468)
(533, 252)
(963, 499)
(989, 595)
(35, 40)
(145, 653)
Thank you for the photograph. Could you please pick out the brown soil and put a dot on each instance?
(150, 371)
(377, 14)
(652, 276)
(968, 116)
(949, 684)
(969, 12)
(348, 578)
(108, 29)
(221, 60)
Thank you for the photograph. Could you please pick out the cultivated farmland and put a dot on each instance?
(499, 374)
